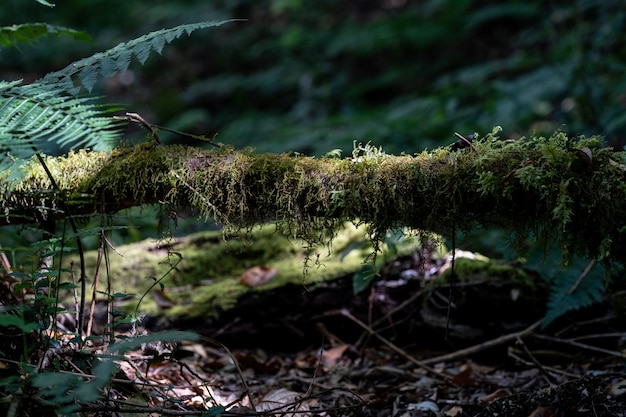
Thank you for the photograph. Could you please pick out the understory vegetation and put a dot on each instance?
(308, 116)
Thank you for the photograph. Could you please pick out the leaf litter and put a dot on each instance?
(574, 370)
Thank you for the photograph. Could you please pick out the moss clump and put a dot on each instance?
(567, 190)
(207, 278)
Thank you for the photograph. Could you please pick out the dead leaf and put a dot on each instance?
(618, 165)
(454, 411)
(618, 389)
(463, 377)
(423, 406)
(543, 412)
(586, 154)
(499, 393)
(332, 355)
(161, 298)
(281, 401)
(257, 275)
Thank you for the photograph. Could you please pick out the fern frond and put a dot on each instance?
(45, 3)
(31, 32)
(108, 63)
(33, 113)
(569, 291)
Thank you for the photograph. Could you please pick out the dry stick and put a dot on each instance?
(535, 361)
(77, 309)
(580, 324)
(482, 346)
(110, 306)
(464, 139)
(232, 357)
(581, 345)
(317, 368)
(552, 370)
(136, 118)
(94, 293)
(79, 243)
(582, 276)
(6, 265)
(421, 364)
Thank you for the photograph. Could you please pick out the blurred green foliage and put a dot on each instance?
(311, 76)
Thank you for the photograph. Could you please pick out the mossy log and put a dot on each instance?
(570, 190)
(205, 275)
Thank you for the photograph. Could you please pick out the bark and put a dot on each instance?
(557, 188)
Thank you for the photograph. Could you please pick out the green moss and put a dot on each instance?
(207, 279)
(550, 187)
(468, 270)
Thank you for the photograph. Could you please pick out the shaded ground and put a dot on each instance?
(397, 349)
(393, 352)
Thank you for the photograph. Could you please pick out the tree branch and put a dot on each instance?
(557, 188)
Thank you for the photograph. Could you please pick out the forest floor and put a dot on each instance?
(399, 350)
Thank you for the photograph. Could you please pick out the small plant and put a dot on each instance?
(35, 340)
(579, 285)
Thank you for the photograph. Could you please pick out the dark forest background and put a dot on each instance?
(314, 76)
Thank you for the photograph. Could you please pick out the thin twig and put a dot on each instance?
(482, 346)
(232, 357)
(136, 118)
(344, 312)
(96, 282)
(535, 361)
(317, 368)
(79, 243)
(582, 276)
(581, 345)
(552, 370)
(465, 140)
(6, 265)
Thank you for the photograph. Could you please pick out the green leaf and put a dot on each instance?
(105, 64)
(215, 411)
(166, 336)
(362, 279)
(45, 3)
(37, 112)
(28, 33)
(11, 320)
(573, 289)
(352, 246)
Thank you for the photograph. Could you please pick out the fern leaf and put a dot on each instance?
(37, 112)
(45, 3)
(106, 64)
(566, 292)
(31, 32)
(586, 291)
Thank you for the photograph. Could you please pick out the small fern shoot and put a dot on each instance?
(117, 59)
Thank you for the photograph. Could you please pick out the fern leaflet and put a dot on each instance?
(36, 112)
(31, 32)
(48, 110)
(569, 291)
(118, 58)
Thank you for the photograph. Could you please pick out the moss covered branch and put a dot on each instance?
(559, 188)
